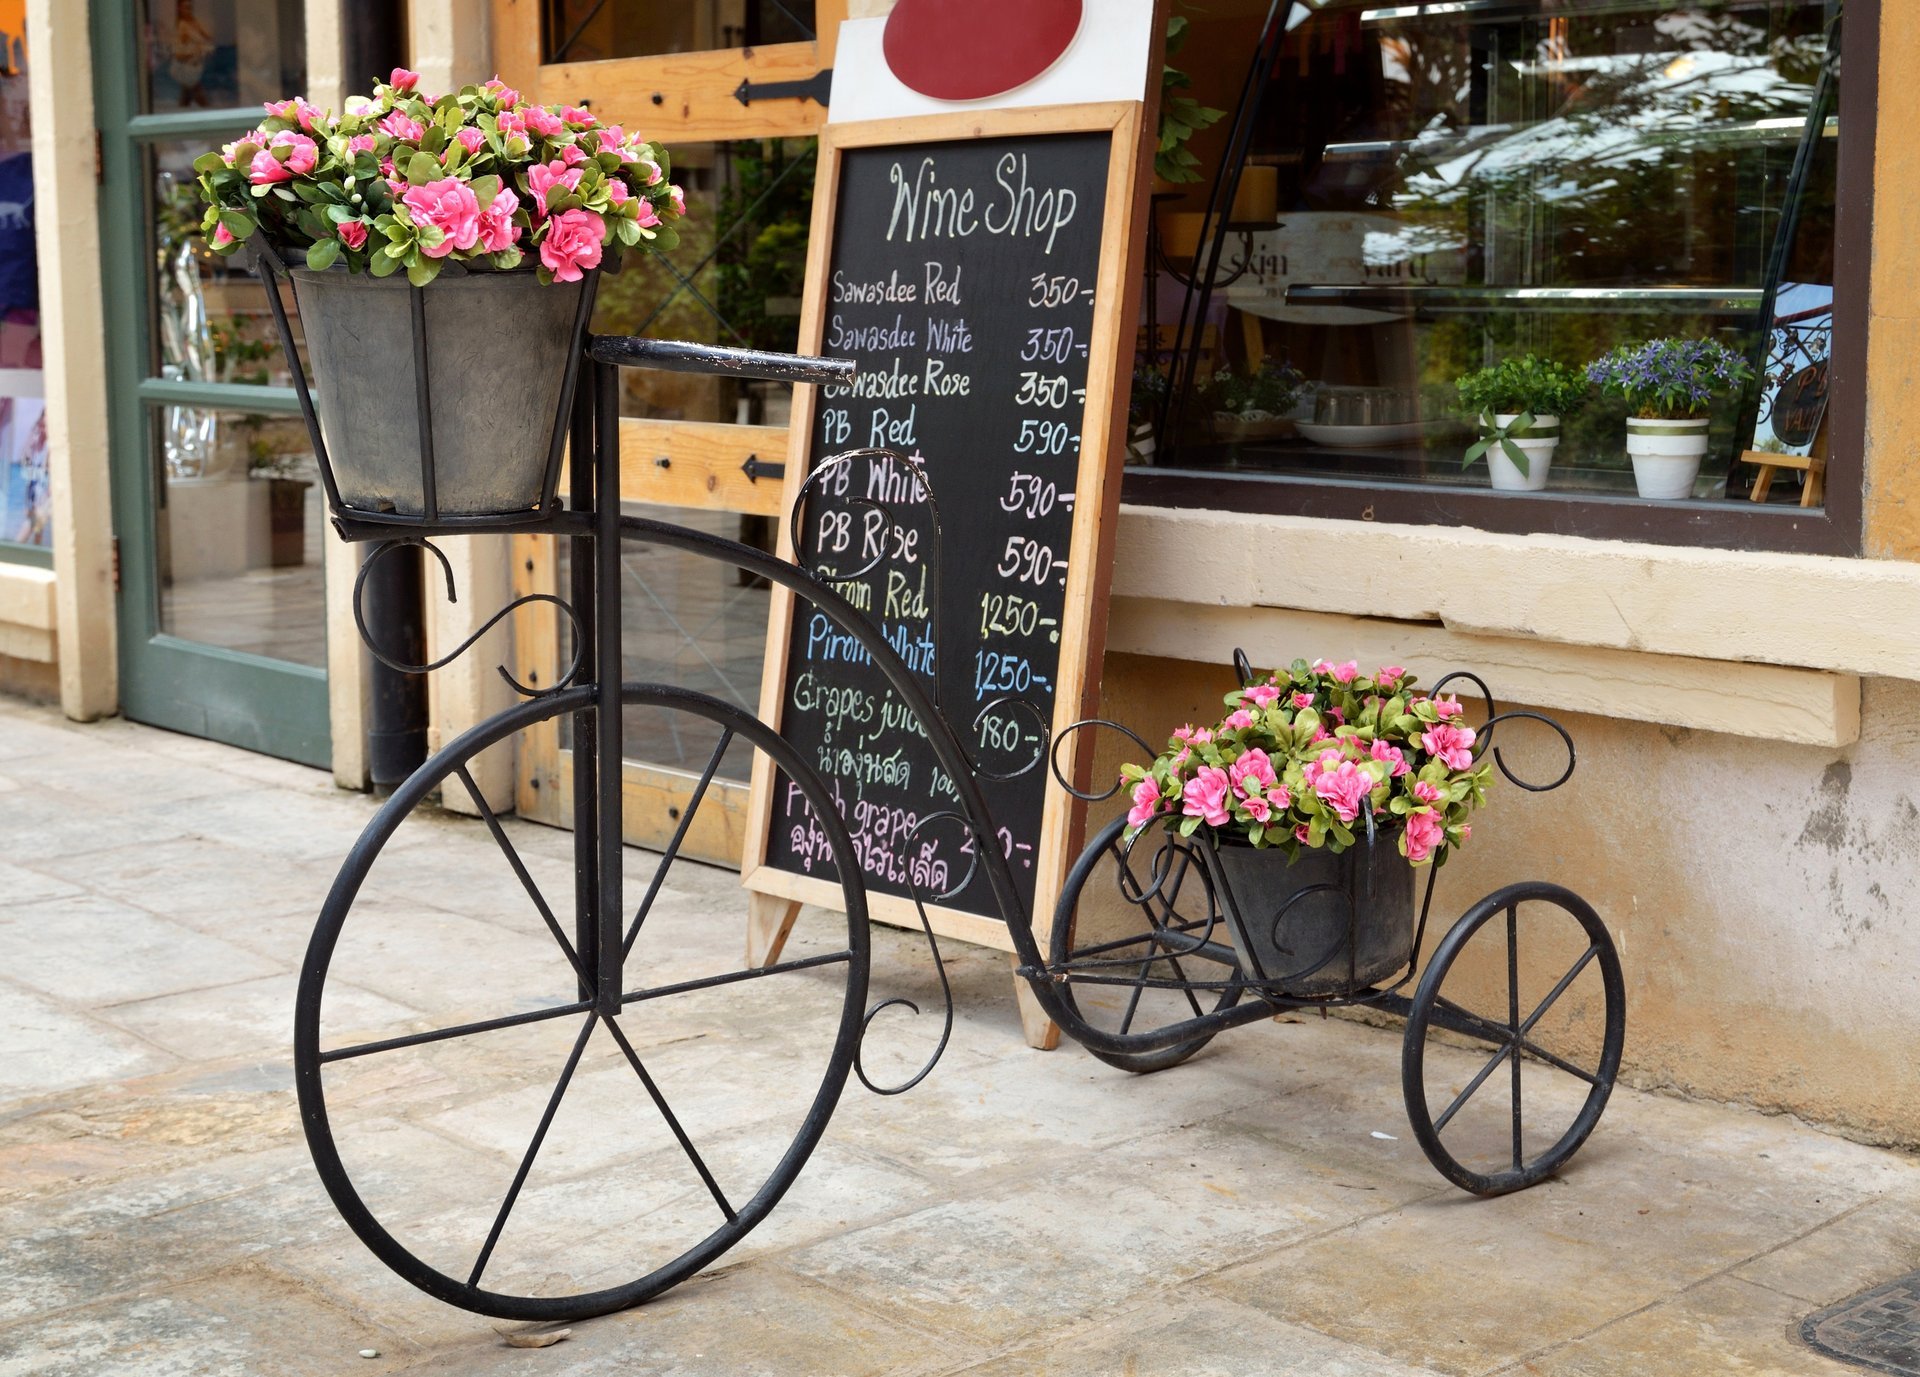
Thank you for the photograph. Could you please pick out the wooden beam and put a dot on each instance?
(692, 95)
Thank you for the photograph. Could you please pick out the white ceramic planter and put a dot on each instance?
(1541, 440)
(1666, 455)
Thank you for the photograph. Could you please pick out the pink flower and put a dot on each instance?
(1302, 701)
(1257, 808)
(1183, 732)
(544, 175)
(542, 121)
(1206, 796)
(1260, 695)
(579, 116)
(298, 110)
(449, 206)
(1452, 746)
(1301, 834)
(679, 199)
(222, 236)
(360, 143)
(1256, 765)
(1423, 835)
(510, 122)
(497, 230)
(230, 151)
(1337, 716)
(611, 138)
(617, 193)
(572, 244)
(1344, 673)
(1443, 708)
(1466, 830)
(353, 233)
(403, 80)
(1237, 719)
(503, 93)
(645, 215)
(1393, 755)
(572, 155)
(470, 139)
(1343, 789)
(1389, 675)
(1146, 802)
(302, 152)
(401, 127)
(265, 169)
(1427, 793)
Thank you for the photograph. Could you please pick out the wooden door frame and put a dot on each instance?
(680, 97)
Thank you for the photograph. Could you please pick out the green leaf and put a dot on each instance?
(423, 271)
(209, 163)
(485, 189)
(238, 225)
(422, 168)
(382, 265)
(628, 231)
(321, 256)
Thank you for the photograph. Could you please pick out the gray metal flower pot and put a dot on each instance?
(496, 351)
(1324, 925)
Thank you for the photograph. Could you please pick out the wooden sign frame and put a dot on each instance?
(777, 894)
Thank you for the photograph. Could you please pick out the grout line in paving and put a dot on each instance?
(1525, 1359)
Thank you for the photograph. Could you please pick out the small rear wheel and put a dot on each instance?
(1139, 937)
(1530, 973)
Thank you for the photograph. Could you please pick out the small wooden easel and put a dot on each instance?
(1813, 464)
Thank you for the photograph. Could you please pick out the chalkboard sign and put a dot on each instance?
(977, 268)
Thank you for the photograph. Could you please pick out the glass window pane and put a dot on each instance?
(240, 532)
(25, 515)
(590, 30)
(213, 54)
(735, 279)
(1435, 189)
(212, 320)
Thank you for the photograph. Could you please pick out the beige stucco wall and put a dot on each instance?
(1765, 896)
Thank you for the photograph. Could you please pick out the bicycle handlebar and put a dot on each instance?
(676, 356)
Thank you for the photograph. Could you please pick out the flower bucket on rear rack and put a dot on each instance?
(1324, 923)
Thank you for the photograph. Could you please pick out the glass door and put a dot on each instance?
(217, 509)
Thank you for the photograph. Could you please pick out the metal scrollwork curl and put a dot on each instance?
(386, 547)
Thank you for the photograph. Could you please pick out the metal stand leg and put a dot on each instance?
(586, 805)
(607, 674)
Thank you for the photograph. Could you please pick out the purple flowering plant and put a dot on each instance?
(1670, 379)
(1304, 756)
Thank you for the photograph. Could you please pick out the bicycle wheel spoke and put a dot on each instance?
(1513, 1016)
(1526, 1045)
(1558, 990)
(1478, 1025)
(505, 843)
(533, 1148)
(673, 846)
(673, 1122)
(1173, 963)
(1472, 1085)
(709, 982)
(1133, 1000)
(485, 1025)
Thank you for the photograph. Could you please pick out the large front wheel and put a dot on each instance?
(492, 1137)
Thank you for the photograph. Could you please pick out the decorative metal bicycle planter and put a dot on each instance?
(642, 1205)
(1198, 921)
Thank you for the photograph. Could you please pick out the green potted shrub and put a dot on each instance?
(1669, 386)
(1519, 404)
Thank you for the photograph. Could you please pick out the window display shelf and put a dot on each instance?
(1732, 301)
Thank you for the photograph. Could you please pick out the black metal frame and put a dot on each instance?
(601, 939)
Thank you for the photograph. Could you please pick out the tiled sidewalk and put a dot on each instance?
(1019, 1213)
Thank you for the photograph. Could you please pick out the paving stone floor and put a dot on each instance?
(1260, 1210)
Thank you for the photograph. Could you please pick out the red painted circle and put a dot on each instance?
(972, 49)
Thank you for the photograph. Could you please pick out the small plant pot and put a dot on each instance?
(1323, 925)
(496, 353)
(1538, 444)
(1666, 455)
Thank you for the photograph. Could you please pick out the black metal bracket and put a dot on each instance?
(815, 88)
(757, 468)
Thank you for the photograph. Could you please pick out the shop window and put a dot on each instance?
(593, 30)
(1400, 195)
(26, 530)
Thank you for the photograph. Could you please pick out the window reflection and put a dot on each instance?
(25, 515)
(1431, 189)
(217, 54)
